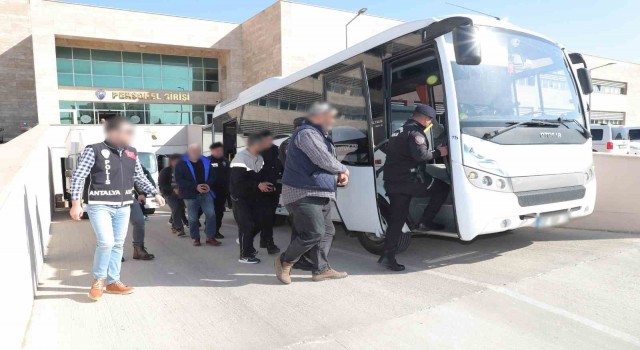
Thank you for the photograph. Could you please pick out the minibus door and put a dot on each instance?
(346, 90)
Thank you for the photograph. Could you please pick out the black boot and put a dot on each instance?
(272, 248)
(390, 263)
(303, 264)
(140, 253)
(218, 235)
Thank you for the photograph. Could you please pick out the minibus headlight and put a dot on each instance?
(488, 181)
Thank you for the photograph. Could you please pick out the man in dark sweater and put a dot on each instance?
(245, 187)
(195, 185)
(271, 172)
(169, 189)
(220, 168)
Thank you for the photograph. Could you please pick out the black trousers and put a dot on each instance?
(400, 195)
(268, 205)
(219, 205)
(247, 215)
(314, 227)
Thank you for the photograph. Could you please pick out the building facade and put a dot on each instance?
(63, 63)
(151, 68)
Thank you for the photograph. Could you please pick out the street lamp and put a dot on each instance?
(590, 70)
(346, 27)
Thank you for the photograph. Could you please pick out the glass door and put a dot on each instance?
(347, 91)
(68, 116)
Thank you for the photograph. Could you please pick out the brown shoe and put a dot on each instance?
(330, 274)
(196, 243)
(119, 288)
(212, 241)
(283, 270)
(97, 288)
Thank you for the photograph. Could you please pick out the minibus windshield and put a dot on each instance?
(521, 78)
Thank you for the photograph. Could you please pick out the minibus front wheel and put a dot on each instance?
(375, 245)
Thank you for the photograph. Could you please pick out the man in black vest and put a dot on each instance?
(407, 148)
(220, 168)
(113, 169)
(311, 175)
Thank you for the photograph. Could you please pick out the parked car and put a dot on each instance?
(610, 138)
(634, 139)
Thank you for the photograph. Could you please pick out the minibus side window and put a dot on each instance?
(347, 91)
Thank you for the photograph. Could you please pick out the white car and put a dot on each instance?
(634, 139)
(610, 138)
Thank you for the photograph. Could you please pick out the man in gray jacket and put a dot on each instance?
(312, 173)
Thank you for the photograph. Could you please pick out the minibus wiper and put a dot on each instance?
(532, 122)
(583, 130)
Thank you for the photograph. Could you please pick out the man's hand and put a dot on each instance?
(200, 188)
(205, 188)
(343, 179)
(160, 200)
(142, 198)
(265, 186)
(176, 191)
(76, 210)
(444, 150)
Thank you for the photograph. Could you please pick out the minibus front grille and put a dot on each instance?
(548, 196)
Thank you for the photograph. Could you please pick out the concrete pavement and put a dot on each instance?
(551, 289)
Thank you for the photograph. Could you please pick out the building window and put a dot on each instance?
(605, 117)
(137, 113)
(134, 70)
(609, 87)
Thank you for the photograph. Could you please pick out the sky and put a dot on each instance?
(607, 28)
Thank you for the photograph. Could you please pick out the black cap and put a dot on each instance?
(425, 110)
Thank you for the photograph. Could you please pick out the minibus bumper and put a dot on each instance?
(493, 211)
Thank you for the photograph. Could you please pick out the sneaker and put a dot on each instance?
(330, 274)
(181, 233)
(196, 243)
(218, 235)
(173, 230)
(97, 289)
(272, 248)
(283, 270)
(249, 260)
(238, 241)
(119, 288)
(213, 242)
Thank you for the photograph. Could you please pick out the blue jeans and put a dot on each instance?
(205, 202)
(110, 226)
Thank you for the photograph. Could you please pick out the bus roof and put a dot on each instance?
(270, 85)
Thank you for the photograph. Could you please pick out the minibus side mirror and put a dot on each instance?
(584, 77)
(466, 45)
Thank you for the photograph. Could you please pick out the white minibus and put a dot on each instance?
(510, 108)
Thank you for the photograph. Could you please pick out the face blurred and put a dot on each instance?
(122, 136)
(217, 152)
(422, 119)
(267, 142)
(194, 153)
(325, 119)
(173, 162)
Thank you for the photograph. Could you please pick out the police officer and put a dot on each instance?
(407, 148)
(220, 167)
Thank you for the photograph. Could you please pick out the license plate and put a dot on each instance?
(552, 219)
